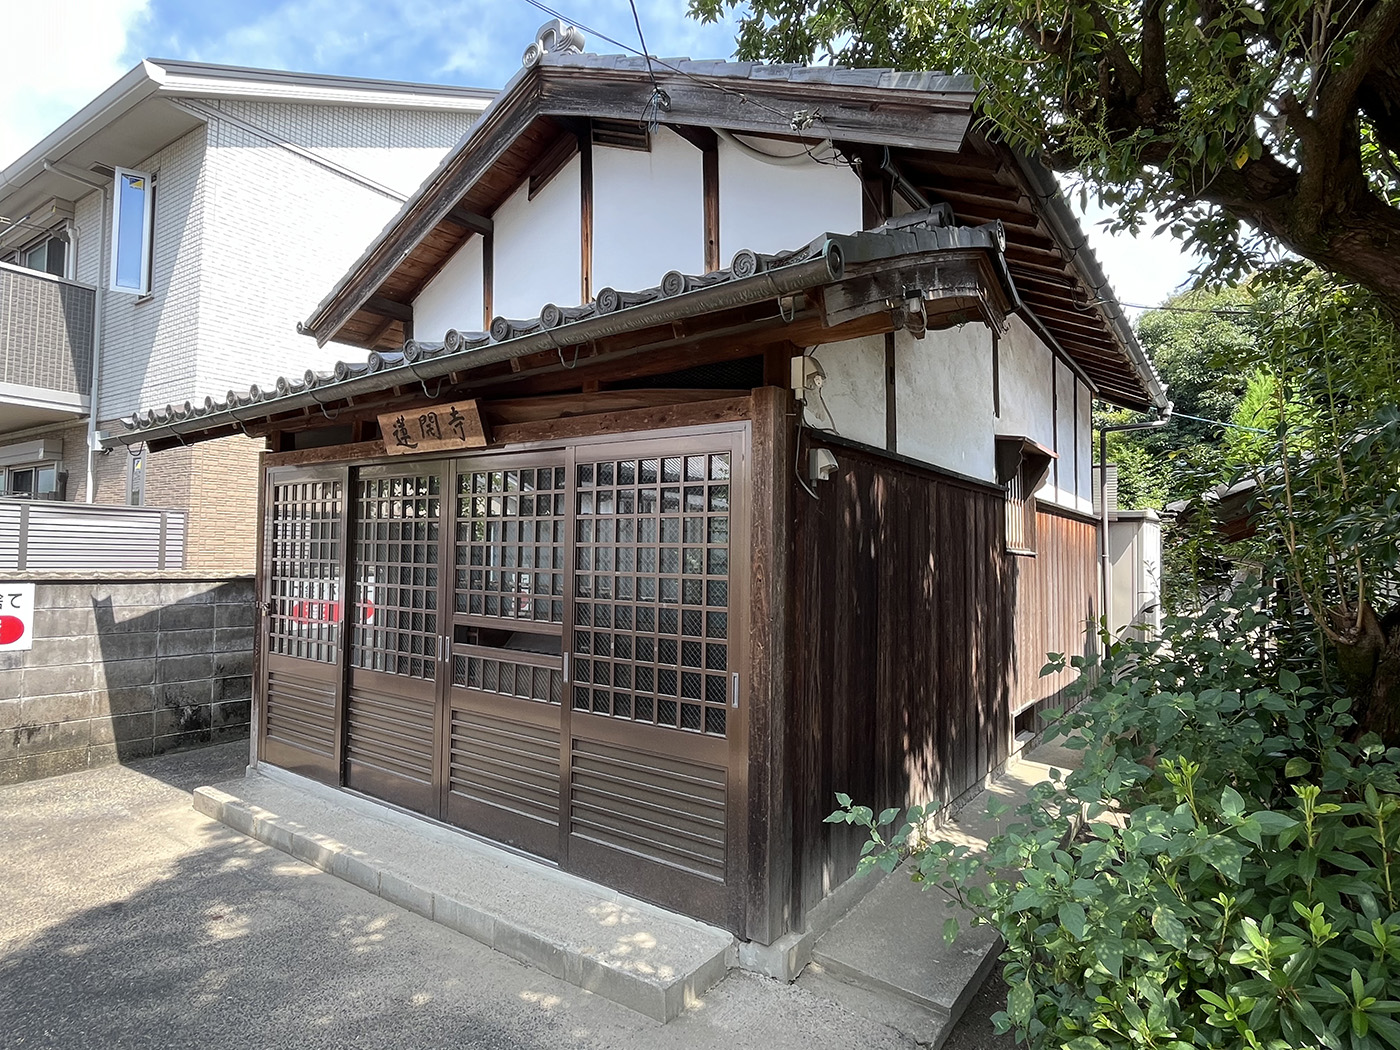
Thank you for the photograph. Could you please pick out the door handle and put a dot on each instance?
(734, 680)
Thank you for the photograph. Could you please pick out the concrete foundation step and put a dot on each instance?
(647, 959)
(886, 959)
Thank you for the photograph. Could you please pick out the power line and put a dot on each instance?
(787, 118)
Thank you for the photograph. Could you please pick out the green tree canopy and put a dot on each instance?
(1232, 121)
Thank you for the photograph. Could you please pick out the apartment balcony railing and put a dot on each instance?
(45, 535)
(46, 331)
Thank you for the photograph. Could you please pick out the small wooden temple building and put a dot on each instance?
(720, 440)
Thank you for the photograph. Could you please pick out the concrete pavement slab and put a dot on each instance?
(129, 920)
(646, 958)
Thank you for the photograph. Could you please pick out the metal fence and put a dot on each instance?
(42, 535)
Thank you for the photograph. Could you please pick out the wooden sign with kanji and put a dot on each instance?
(434, 428)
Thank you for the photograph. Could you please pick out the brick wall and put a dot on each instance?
(223, 526)
(126, 667)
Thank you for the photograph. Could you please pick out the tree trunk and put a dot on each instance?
(1370, 664)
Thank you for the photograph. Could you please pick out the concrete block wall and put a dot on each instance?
(125, 666)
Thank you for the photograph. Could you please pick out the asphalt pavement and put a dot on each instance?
(129, 920)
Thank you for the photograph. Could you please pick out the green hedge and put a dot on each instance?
(1222, 870)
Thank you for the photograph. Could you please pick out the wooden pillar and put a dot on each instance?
(769, 895)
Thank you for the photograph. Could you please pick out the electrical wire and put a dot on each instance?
(1217, 422)
(787, 118)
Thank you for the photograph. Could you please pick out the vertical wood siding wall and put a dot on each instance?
(916, 639)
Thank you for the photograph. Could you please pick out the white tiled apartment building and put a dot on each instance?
(164, 242)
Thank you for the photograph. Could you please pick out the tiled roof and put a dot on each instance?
(750, 277)
(930, 83)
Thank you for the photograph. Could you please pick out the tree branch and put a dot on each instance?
(1336, 99)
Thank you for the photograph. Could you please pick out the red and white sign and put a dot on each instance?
(16, 616)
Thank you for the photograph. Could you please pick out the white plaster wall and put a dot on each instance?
(1084, 449)
(537, 247)
(648, 213)
(1026, 377)
(454, 298)
(770, 207)
(852, 399)
(1063, 473)
(943, 399)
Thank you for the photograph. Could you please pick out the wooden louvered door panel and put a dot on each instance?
(656, 786)
(303, 554)
(392, 719)
(502, 760)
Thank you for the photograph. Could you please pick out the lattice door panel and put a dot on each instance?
(655, 744)
(397, 532)
(651, 591)
(391, 730)
(303, 555)
(510, 543)
(304, 540)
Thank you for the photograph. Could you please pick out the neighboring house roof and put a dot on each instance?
(919, 121)
(138, 116)
(751, 278)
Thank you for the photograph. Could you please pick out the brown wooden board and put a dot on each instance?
(915, 639)
(433, 428)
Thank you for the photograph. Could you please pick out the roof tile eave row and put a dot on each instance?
(608, 301)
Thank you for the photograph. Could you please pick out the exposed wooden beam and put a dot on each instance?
(470, 220)
(885, 118)
(585, 185)
(378, 304)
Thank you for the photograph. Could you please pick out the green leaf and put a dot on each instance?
(1073, 918)
(1169, 928)
(843, 800)
(1296, 767)
(950, 930)
(1231, 804)
(1020, 1000)
(1288, 681)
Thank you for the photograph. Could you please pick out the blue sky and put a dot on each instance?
(477, 43)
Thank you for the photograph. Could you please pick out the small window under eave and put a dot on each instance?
(1022, 465)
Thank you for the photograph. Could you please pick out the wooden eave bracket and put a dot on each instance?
(1017, 454)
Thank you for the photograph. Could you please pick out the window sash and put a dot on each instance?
(132, 215)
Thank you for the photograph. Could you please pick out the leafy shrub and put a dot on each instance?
(1222, 871)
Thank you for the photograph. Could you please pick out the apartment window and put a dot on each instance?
(136, 479)
(132, 222)
(50, 255)
(1022, 465)
(34, 481)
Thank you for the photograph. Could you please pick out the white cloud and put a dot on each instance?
(63, 53)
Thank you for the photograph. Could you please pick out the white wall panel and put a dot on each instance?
(852, 400)
(1084, 446)
(1027, 371)
(1064, 472)
(453, 298)
(771, 207)
(943, 399)
(648, 213)
(537, 247)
